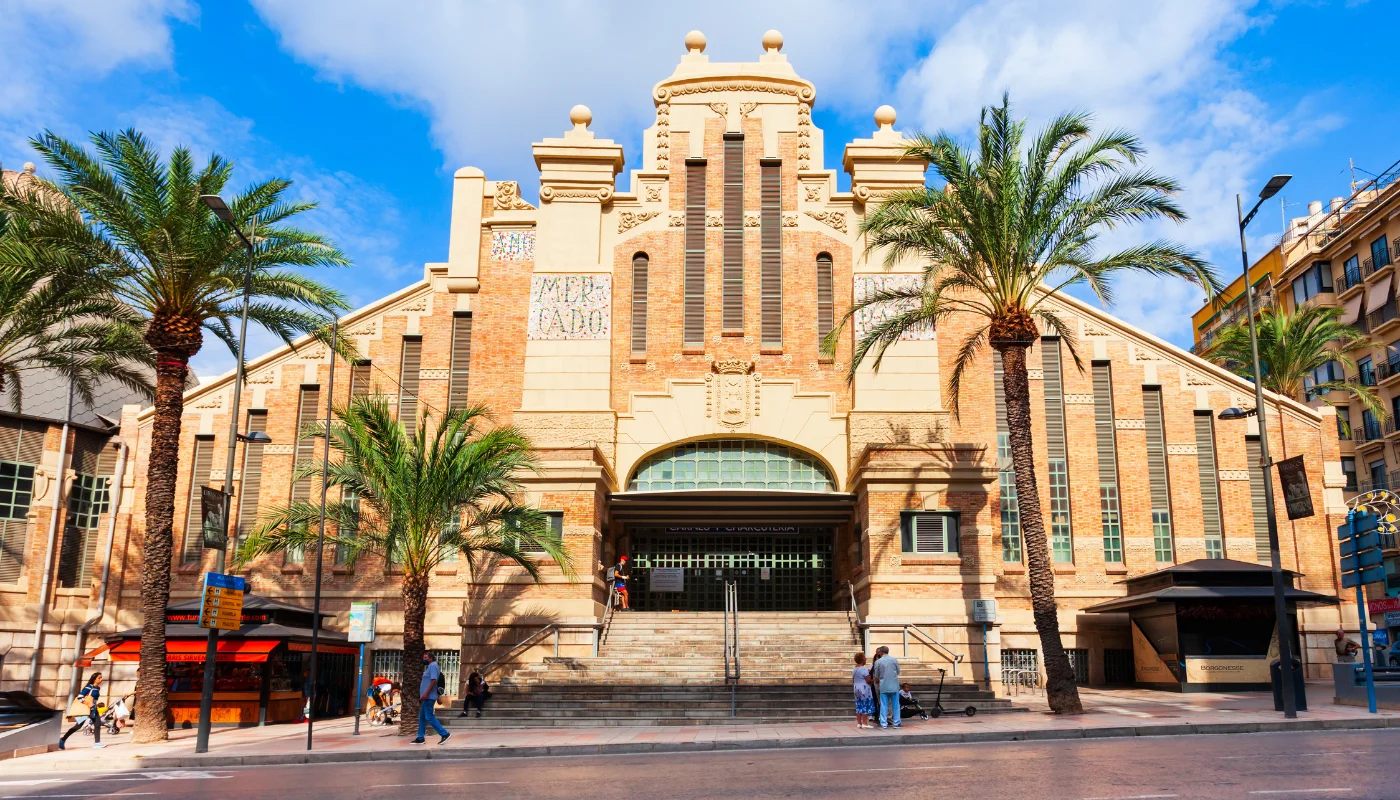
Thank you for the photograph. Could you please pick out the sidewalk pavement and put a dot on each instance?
(1108, 713)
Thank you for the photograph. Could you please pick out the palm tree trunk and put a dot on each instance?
(152, 704)
(1060, 690)
(415, 607)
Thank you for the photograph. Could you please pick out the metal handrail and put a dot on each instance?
(906, 627)
(529, 641)
(602, 631)
(1018, 679)
(853, 617)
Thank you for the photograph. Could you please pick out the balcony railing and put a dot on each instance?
(1366, 432)
(1350, 278)
(1366, 377)
(1388, 369)
(1380, 482)
(1382, 315)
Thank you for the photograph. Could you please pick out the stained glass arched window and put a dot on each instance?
(731, 464)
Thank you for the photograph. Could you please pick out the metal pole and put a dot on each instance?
(81, 638)
(986, 666)
(321, 538)
(1285, 630)
(1365, 636)
(206, 695)
(359, 689)
(54, 509)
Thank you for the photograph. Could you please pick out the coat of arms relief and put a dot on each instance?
(732, 392)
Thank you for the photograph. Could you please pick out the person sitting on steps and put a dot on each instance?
(909, 704)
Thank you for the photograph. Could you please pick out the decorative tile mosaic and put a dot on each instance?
(570, 307)
(869, 285)
(513, 245)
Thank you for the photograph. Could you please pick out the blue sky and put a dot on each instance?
(370, 106)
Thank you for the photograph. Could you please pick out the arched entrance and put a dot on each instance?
(761, 514)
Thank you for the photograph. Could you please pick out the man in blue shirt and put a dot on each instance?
(427, 699)
(886, 673)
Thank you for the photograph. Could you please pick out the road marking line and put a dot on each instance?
(35, 782)
(1287, 755)
(1299, 791)
(471, 783)
(885, 769)
(43, 796)
(1131, 797)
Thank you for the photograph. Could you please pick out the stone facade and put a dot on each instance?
(550, 294)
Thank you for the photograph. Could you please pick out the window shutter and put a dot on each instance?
(87, 449)
(1054, 398)
(306, 447)
(361, 374)
(408, 383)
(1210, 485)
(931, 533)
(201, 464)
(733, 283)
(826, 298)
(770, 233)
(640, 263)
(22, 441)
(1104, 430)
(1156, 448)
(251, 487)
(1258, 502)
(694, 312)
(461, 361)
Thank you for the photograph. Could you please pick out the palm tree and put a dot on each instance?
(54, 318)
(1292, 347)
(141, 225)
(416, 501)
(1009, 231)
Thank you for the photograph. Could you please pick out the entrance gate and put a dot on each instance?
(777, 568)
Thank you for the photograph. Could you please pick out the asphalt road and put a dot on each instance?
(1352, 765)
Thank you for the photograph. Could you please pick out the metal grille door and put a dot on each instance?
(790, 570)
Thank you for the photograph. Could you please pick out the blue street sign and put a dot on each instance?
(1350, 580)
(1373, 575)
(1362, 523)
(1366, 558)
(218, 580)
(1366, 541)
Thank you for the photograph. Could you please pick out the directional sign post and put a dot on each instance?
(222, 602)
(1361, 558)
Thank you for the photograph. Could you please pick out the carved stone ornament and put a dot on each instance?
(677, 220)
(804, 136)
(1192, 379)
(653, 193)
(549, 194)
(1130, 424)
(835, 219)
(789, 220)
(732, 390)
(1181, 449)
(508, 197)
(628, 220)
(367, 328)
(663, 136)
(814, 194)
(714, 221)
(750, 220)
(721, 109)
(745, 109)
(804, 92)
(1234, 475)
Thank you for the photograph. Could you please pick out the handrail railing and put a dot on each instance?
(853, 617)
(731, 643)
(1020, 678)
(919, 633)
(529, 641)
(602, 631)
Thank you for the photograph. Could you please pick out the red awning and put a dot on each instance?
(240, 650)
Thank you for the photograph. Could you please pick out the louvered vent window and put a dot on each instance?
(201, 463)
(361, 378)
(693, 322)
(408, 383)
(733, 275)
(931, 532)
(305, 454)
(1010, 512)
(461, 360)
(1061, 539)
(1106, 439)
(826, 298)
(1157, 474)
(1258, 503)
(770, 234)
(21, 450)
(88, 498)
(1210, 485)
(251, 488)
(640, 265)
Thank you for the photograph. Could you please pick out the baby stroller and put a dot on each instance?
(110, 716)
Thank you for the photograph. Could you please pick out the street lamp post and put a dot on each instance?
(321, 535)
(1285, 630)
(206, 696)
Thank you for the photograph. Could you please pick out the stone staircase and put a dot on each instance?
(668, 669)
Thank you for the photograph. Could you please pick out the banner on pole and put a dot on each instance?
(213, 517)
(363, 617)
(1297, 497)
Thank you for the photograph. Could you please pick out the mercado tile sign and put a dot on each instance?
(868, 286)
(570, 307)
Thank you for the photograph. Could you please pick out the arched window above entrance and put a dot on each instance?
(731, 464)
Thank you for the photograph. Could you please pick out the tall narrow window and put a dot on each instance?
(305, 453)
(93, 463)
(1210, 485)
(1010, 512)
(21, 450)
(826, 299)
(733, 276)
(693, 323)
(1258, 503)
(351, 500)
(461, 360)
(1107, 440)
(1157, 474)
(1061, 539)
(640, 265)
(770, 234)
(361, 378)
(408, 383)
(201, 463)
(250, 490)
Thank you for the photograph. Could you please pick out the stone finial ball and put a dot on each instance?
(772, 41)
(695, 42)
(884, 115)
(580, 115)
(29, 167)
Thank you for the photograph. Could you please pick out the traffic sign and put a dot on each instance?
(1365, 576)
(221, 605)
(1366, 541)
(1366, 558)
(1360, 523)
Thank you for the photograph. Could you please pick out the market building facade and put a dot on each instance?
(659, 339)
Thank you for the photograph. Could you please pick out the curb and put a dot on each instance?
(632, 748)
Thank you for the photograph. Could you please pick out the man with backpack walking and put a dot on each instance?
(428, 690)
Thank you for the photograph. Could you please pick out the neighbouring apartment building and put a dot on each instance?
(658, 338)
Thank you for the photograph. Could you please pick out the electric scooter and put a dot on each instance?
(938, 710)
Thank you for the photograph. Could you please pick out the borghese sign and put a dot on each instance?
(570, 307)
